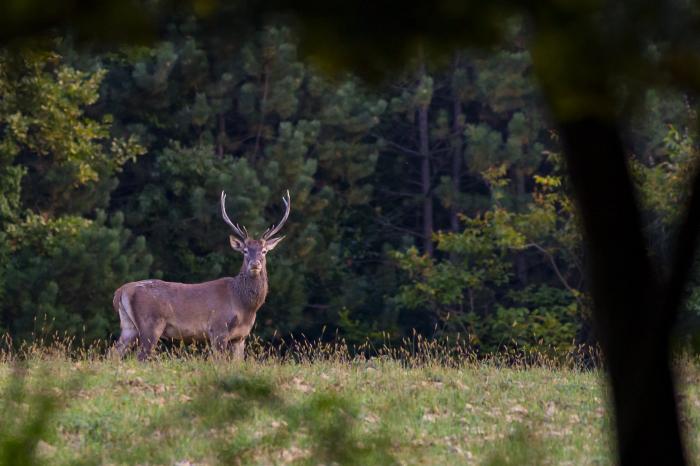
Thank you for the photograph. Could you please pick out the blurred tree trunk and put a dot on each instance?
(629, 299)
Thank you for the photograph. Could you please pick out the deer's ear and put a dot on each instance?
(236, 244)
(272, 242)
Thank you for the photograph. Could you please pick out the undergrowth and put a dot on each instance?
(411, 352)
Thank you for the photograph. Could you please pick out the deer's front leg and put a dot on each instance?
(218, 342)
(237, 349)
(218, 336)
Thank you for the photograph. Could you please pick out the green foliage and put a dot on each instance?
(70, 156)
(58, 268)
(62, 273)
(111, 167)
(465, 289)
(548, 321)
(479, 249)
(664, 185)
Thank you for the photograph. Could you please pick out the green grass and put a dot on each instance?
(196, 410)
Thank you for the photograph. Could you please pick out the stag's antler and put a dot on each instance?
(237, 229)
(274, 229)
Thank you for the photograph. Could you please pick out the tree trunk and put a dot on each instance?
(221, 136)
(520, 259)
(520, 180)
(631, 317)
(263, 111)
(425, 180)
(457, 129)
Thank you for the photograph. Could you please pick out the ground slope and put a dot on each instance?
(198, 411)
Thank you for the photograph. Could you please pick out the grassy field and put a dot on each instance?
(197, 410)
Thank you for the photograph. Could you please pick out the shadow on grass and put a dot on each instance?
(321, 428)
(26, 412)
(521, 447)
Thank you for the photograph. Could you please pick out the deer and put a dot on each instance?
(221, 311)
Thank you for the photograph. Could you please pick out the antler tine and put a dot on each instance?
(274, 229)
(242, 233)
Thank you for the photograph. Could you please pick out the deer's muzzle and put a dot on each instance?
(255, 267)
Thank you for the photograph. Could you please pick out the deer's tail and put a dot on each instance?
(116, 299)
(122, 305)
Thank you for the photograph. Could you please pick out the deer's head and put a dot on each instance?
(254, 250)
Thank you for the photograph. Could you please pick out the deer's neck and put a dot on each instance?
(252, 290)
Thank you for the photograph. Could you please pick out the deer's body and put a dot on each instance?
(221, 311)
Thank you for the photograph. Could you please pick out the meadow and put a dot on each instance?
(315, 405)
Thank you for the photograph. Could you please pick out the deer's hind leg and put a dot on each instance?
(150, 334)
(126, 339)
(128, 335)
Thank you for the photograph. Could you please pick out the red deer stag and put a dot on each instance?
(221, 311)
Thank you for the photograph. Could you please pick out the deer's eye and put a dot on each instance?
(245, 251)
(264, 251)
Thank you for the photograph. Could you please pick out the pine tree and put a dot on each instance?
(253, 123)
(57, 267)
